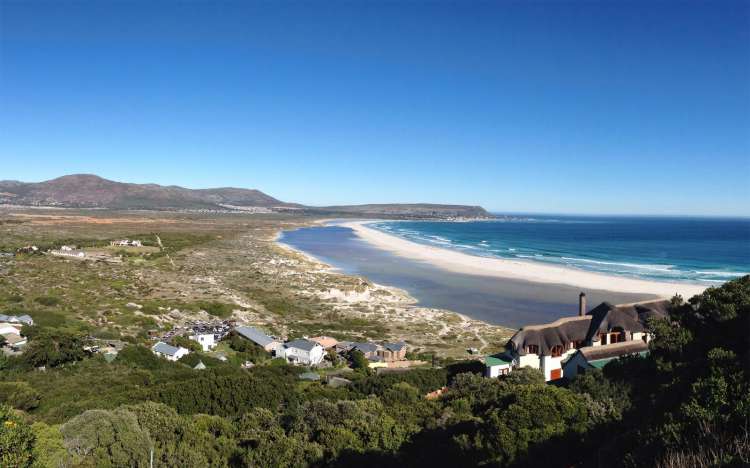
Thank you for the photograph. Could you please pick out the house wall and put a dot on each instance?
(496, 371)
(206, 341)
(529, 360)
(7, 328)
(313, 357)
(570, 369)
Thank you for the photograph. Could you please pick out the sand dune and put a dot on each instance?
(517, 269)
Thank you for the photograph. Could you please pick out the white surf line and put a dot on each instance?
(517, 269)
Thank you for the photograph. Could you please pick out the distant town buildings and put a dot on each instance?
(66, 251)
(126, 243)
(570, 345)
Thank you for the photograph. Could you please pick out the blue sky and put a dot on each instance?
(570, 107)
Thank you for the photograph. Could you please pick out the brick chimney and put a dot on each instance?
(582, 304)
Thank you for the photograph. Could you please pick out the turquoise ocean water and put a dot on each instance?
(707, 251)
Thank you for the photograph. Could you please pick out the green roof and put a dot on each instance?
(599, 363)
(497, 360)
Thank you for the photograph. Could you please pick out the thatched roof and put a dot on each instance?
(603, 318)
(549, 335)
(594, 353)
(632, 317)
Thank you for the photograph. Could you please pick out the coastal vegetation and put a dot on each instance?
(686, 403)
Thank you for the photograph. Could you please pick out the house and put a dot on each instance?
(325, 341)
(258, 337)
(548, 346)
(13, 340)
(126, 243)
(387, 352)
(169, 352)
(68, 253)
(200, 366)
(206, 340)
(391, 352)
(19, 319)
(10, 329)
(497, 365)
(370, 350)
(596, 357)
(302, 351)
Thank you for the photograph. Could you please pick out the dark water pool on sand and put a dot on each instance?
(499, 301)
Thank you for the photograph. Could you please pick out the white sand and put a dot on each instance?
(517, 269)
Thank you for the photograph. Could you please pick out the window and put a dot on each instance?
(532, 349)
(557, 351)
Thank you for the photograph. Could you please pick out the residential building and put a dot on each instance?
(547, 347)
(169, 352)
(391, 352)
(596, 357)
(258, 337)
(13, 340)
(497, 365)
(325, 341)
(68, 253)
(206, 340)
(126, 243)
(10, 329)
(303, 352)
(19, 319)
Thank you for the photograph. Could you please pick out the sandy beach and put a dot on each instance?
(516, 269)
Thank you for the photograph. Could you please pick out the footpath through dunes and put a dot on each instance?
(535, 272)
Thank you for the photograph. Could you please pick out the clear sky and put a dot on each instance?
(571, 107)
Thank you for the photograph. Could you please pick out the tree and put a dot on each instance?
(49, 449)
(264, 442)
(186, 342)
(107, 438)
(52, 349)
(16, 440)
(359, 361)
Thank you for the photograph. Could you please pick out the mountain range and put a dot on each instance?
(91, 191)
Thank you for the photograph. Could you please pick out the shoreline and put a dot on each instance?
(533, 272)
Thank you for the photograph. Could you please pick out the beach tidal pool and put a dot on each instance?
(506, 302)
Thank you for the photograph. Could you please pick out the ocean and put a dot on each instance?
(707, 251)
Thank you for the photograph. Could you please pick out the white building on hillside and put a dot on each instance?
(169, 352)
(303, 352)
(548, 347)
(206, 340)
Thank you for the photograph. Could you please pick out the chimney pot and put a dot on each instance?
(582, 304)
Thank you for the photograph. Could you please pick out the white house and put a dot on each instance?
(497, 365)
(13, 340)
(68, 253)
(548, 347)
(169, 352)
(20, 319)
(206, 340)
(126, 243)
(303, 352)
(9, 328)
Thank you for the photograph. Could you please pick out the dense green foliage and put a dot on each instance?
(686, 404)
